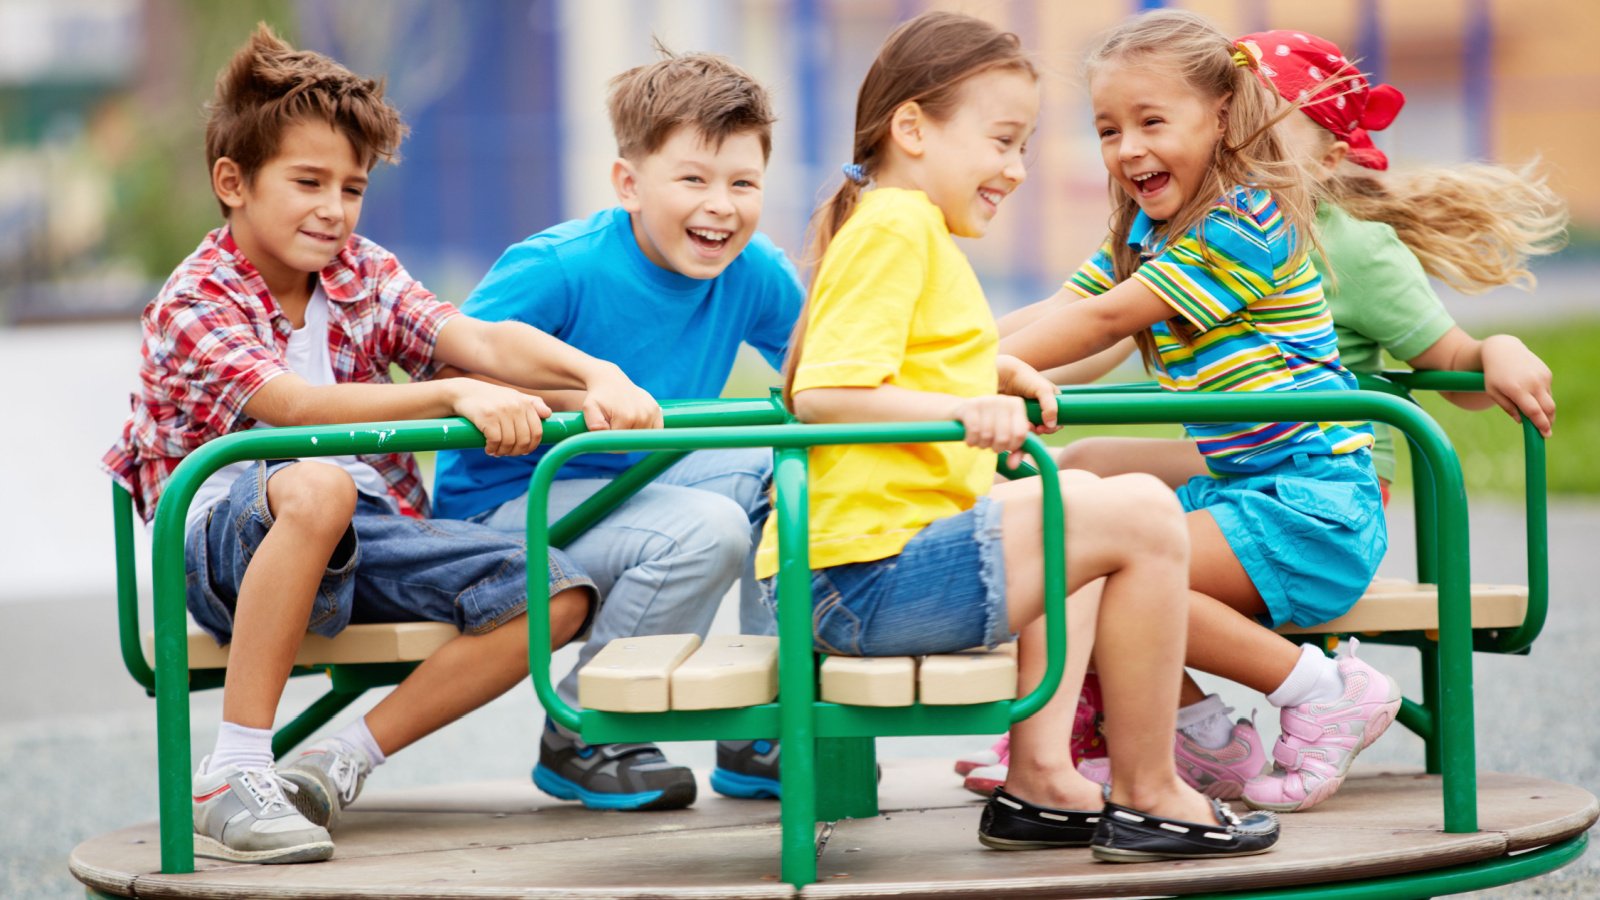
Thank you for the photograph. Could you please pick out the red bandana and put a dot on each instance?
(1295, 63)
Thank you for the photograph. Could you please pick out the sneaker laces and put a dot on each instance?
(266, 787)
(345, 774)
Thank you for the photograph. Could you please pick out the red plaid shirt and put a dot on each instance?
(214, 336)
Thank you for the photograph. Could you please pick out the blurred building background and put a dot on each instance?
(103, 186)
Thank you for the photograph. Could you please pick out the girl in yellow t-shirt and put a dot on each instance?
(915, 549)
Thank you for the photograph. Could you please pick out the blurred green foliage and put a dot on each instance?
(163, 203)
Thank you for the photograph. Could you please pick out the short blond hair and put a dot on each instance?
(708, 92)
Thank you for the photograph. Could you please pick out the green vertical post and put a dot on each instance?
(850, 788)
(796, 670)
(1432, 742)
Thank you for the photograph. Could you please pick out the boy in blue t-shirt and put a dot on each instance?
(666, 286)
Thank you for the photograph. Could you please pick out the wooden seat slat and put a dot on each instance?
(1395, 605)
(366, 643)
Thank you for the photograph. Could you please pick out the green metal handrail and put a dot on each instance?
(797, 715)
(1455, 725)
(171, 675)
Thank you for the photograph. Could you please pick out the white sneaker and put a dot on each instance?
(328, 776)
(243, 816)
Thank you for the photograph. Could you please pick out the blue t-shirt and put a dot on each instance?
(588, 283)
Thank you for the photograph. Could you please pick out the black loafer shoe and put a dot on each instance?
(1127, 835)
(1010, 823)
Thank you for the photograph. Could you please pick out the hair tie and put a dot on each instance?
(1243, 58)
(855, 172)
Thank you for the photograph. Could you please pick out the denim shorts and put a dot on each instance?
(946, 591)
(387, 567)
(1309, 532)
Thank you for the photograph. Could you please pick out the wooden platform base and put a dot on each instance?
(505, 839)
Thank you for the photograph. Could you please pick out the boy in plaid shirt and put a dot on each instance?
(284, 316)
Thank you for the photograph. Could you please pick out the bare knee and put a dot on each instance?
(1151, 515)
(315, 500)
(1095, 455)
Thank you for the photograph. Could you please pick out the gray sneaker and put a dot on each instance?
(747, 770)
(243, 816)
(610, 776)
(328, 776)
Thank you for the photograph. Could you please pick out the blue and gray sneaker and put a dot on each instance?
(610, 776)
(747, 770)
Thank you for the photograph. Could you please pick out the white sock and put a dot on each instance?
(357, 735)
(1315, 679)
(248, 748)
(1206, 722)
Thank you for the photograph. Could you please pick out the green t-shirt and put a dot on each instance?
(1380, 299)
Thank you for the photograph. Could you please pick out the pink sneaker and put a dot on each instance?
(998, 755)
(1320, 741)
(1220, 772)
(983, 780)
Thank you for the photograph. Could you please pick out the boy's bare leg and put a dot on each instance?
(312, 505)
(466, 673)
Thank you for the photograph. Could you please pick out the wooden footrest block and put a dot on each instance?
(634, 674)
(729, 670)
(370, 643)
(1395, 605)
(974, 676)
(870, 680)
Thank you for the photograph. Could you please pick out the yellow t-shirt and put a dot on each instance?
(894, 302)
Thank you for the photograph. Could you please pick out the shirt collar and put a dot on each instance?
(1141, 231)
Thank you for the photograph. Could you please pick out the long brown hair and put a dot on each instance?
(1249, 152)
(925, 61)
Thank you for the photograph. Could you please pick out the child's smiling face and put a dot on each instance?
(1157, 135)
(975, 159)
(694, 205)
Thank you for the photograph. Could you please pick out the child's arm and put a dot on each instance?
(1514, 377)
(1083, 371)
(996, 422)
(1071, 331)
(523, 356)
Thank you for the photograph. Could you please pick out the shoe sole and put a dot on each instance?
(1115, 855)
(1368, 738)
(740, 786)
(994, 843)
(676, 797)
(315, 851)
(312, 799)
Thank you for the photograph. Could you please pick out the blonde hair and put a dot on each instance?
(1473, 226)
(702, 90)
(268, 86)
(1249, 152)
(926, 61)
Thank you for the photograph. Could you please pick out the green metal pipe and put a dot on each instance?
(614, 494)
(1536, 501)
(1476, 876)
(796, 665)
(128, 590)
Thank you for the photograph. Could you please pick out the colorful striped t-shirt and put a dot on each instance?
(1254, 303)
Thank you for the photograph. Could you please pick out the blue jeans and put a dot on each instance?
(387, 568)
(663, 560)
(944, 592)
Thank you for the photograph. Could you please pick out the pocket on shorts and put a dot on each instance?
(835, 626)
(1338, 502)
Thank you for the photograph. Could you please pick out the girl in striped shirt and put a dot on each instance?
(1208, 268)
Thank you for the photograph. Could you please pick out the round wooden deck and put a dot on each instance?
(505, 839)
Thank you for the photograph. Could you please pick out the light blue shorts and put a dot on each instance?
(1309, 532)
(946, 591)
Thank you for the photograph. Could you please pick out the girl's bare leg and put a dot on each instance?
(1129, 530)
(1174, 461)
